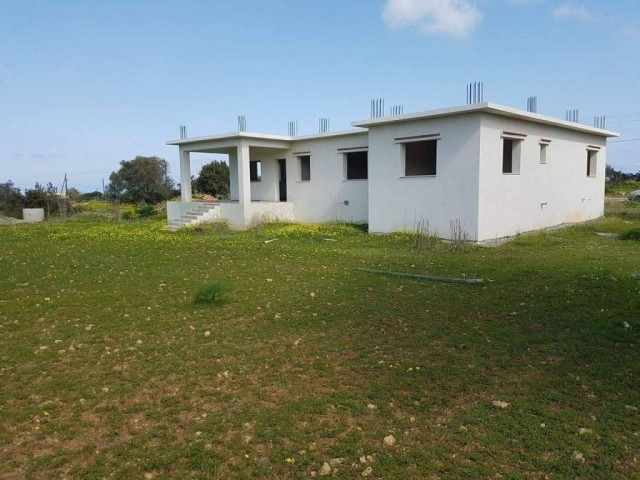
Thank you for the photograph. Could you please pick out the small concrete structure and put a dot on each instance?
(484, 171)
(33, 215)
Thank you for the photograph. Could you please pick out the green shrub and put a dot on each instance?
(211, 292)
(144, 210)
(633, 234)
(128, 211)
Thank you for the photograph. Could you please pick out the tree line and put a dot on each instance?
(618, 176)
(12, 200)
(142, 180)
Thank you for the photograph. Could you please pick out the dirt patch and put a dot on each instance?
(9, 220)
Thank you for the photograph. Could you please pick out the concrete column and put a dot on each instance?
(233, 177)
(185, 176)
(244, 181)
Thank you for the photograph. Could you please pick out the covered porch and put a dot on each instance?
(258, 179)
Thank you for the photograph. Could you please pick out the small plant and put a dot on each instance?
(145, 210)
(633, 234)
(211, 292)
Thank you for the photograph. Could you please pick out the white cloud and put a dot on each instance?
(572, 11)
(456, 18)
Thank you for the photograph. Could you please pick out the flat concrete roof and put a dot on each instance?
(486, 107)
(229, 136)
(263, 136)
(363, 125)
(352, 131)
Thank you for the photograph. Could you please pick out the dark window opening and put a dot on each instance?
(507, 155)
(357, 168)
(420, 158)
(305, 167)
(282, 166)
(255, 171)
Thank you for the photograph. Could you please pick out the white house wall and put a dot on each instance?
(469, 187)
(398, 202)
(271, 212)
(541, 195)
(323, 198)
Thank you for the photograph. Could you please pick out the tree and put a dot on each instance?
(73, 194)
(213, 179)
(143, 179)
(11, 199)
(95, 195)
(42, 197)
(618, 176)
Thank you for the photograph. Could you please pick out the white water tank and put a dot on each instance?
(33, 215)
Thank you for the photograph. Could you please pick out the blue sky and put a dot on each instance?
(85, 84)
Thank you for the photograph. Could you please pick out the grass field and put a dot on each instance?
(108, 369)
(621, 189)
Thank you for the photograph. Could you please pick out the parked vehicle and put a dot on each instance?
(635, 195)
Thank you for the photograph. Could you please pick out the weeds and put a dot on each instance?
(211, 292)
(424, 238)
(459, 236)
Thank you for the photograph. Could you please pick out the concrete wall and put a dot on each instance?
(397, 202)
(322, 198)
(271, 212)
(541, 195)
(258, 212)
(233, 177)
(33, 215)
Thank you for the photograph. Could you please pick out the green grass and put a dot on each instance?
(633, 234)
(107, 369)
(621, 189)
(212, 292)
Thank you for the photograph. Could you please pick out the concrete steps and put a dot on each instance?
(198, 214)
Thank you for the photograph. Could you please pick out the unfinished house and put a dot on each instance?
(490, 170)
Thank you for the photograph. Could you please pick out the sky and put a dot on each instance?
(86, 84)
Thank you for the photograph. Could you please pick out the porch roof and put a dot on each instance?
(230, 136)
(228, 141)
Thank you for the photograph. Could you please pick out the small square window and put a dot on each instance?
(592, 163)
(420, 158)
(543, 153)
(357, 168)
(511, 155)
(305, 167)
(255, 171)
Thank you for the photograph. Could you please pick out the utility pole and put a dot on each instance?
(62, 198)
